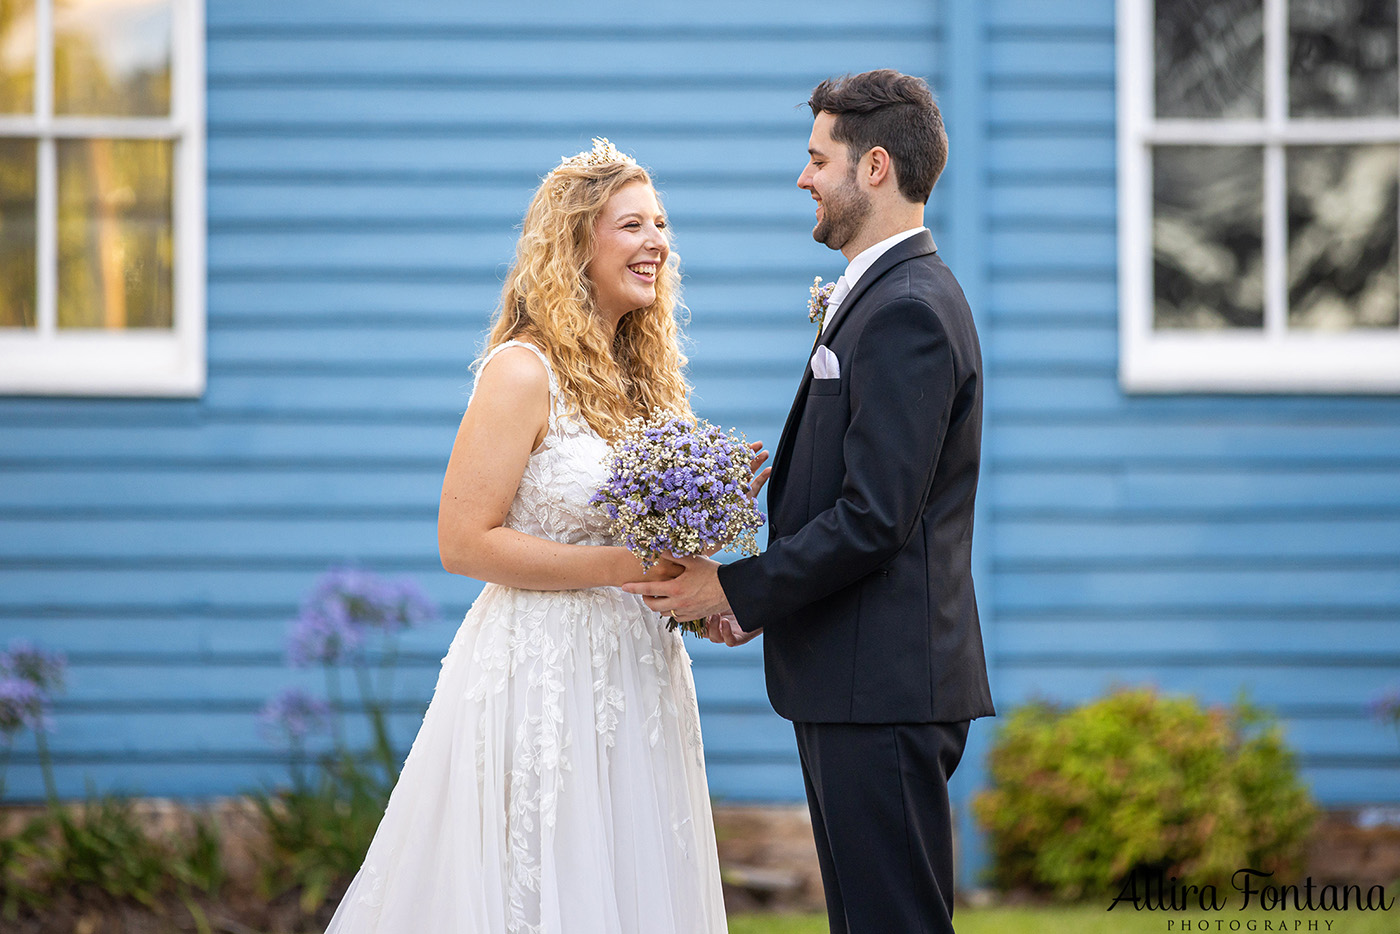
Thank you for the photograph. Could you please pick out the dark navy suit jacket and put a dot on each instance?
(865, 590)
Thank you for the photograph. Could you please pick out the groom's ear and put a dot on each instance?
(877, 168)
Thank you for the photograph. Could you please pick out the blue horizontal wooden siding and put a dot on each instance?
(368, 166)
(1201, 544)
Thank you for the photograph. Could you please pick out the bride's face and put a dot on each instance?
(629, 250)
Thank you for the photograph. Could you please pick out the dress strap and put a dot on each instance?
(553, 382)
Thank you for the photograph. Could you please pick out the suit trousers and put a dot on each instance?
(878, 794)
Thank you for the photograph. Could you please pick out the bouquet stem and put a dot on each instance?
(694, 627)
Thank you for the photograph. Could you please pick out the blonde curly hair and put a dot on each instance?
(548, 300)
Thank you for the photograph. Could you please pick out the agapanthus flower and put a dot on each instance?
(363, 598)
(22, 704)
(294, 714)
(414, 606)
(681, 486)
(1386, 706)
(323, 638)
(344, 605)
(28, 662)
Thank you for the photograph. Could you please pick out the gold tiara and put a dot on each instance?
(602, 153)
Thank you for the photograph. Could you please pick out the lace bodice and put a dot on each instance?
(562, 474)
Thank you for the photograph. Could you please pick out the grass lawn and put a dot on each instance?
(1094, 919)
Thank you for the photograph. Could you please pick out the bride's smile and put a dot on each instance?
(630, 248)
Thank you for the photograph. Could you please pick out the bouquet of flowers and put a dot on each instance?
(680, 486)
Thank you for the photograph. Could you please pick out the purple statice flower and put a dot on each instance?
(294, 715)
(679, 485)
(22, 704)
(27, 662)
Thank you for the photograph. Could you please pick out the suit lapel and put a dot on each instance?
(921, 244)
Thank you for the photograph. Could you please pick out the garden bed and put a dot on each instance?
(766, 854)
(1359, 847)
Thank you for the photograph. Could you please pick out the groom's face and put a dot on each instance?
(830, 175)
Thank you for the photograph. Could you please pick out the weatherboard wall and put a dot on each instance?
(1205, 544)
(368, 164)
(368, 167)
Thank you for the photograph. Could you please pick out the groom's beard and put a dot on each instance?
(844, 212)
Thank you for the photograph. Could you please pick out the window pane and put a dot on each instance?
(17, 233)
(115, 245)
(16, 56)
(1210, 58)
(1208, 237)
(1342, 264)
(112, 57)
(1343, 58)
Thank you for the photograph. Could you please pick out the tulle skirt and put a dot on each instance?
(556, 786)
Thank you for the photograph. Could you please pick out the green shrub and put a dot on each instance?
(104, 847)
(104, 851)
(319, 832)
(22, 870)
(1081, 798)
(199, 860)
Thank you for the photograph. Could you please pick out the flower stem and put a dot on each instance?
(387, 663)
(384, 750)
(298, 757)
(5, 763)
(46, 765)
(333, 696)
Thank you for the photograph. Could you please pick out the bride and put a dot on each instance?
(557, 783)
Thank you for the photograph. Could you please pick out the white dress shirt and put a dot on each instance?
(859, 267)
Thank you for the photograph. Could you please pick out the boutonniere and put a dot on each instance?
(821, 297)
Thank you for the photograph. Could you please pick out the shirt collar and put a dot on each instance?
(867, 257)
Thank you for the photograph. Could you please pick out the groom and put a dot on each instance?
(873, 648)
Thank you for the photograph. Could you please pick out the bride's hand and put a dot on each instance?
(633, 573)
(760, 477)
(724, 629)
(664, 570)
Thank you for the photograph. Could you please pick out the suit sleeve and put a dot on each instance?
(901, 396)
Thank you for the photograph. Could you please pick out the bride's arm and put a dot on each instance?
(505, 421)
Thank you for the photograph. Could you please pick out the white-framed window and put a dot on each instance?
(102, 229)
(1259, 195)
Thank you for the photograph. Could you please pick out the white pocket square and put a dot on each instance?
(825, 365)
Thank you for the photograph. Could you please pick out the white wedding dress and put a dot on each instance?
(557, 784)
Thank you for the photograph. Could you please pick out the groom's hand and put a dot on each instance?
(695, 594)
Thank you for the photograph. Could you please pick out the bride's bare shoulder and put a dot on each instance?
(514, 371)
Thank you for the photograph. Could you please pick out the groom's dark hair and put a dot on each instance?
(891, 110)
